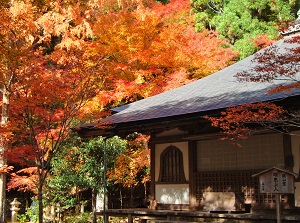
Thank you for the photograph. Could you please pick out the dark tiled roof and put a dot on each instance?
(217, 91)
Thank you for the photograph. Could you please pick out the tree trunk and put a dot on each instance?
(121, 196)
(94, 195)
(145, 191)
(2, 189)
(131, 197)
(3, 161)
(40, 202)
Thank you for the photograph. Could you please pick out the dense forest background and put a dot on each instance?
(66, 63)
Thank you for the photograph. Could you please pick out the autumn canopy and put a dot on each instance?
(64, 63)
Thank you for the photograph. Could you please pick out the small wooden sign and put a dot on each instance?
(276, 180)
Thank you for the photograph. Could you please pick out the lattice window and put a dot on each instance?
(171, 166)
(239, 182)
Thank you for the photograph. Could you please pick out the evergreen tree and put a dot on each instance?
(248, 25)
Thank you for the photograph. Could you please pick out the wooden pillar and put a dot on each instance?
(278, 208)
(130, 218)
(152, 169)
(192, 159)
(288, 163)
(287, 150)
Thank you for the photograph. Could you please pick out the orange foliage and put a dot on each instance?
(263, 41)
(271, 64)
(6, 169)
(234, 121)
(43, 71)
(22, 155)
(57, 57)
(151, 50)
(129, 165)
(25, 180)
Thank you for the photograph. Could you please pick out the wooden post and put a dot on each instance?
(104, 180)
(130, 218)
(278, 209)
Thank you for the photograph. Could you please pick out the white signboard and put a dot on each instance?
(276, 182)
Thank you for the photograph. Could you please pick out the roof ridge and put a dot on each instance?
(294, 27)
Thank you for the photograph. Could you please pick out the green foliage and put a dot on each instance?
(118, 219)
(64, 177)
(242, 21)
(30, 214)
(22, 218)
(79, 218)
(92, 156)
(163, 1)
(204, 11)
(80, 166)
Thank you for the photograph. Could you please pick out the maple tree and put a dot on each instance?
(43, 86)
(274, 63)
(47, 117)
(14, 43)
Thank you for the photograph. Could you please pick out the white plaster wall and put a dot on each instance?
(297, 194)
(100, 201)
(159, 148)
(296, 153)
(172, 193)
